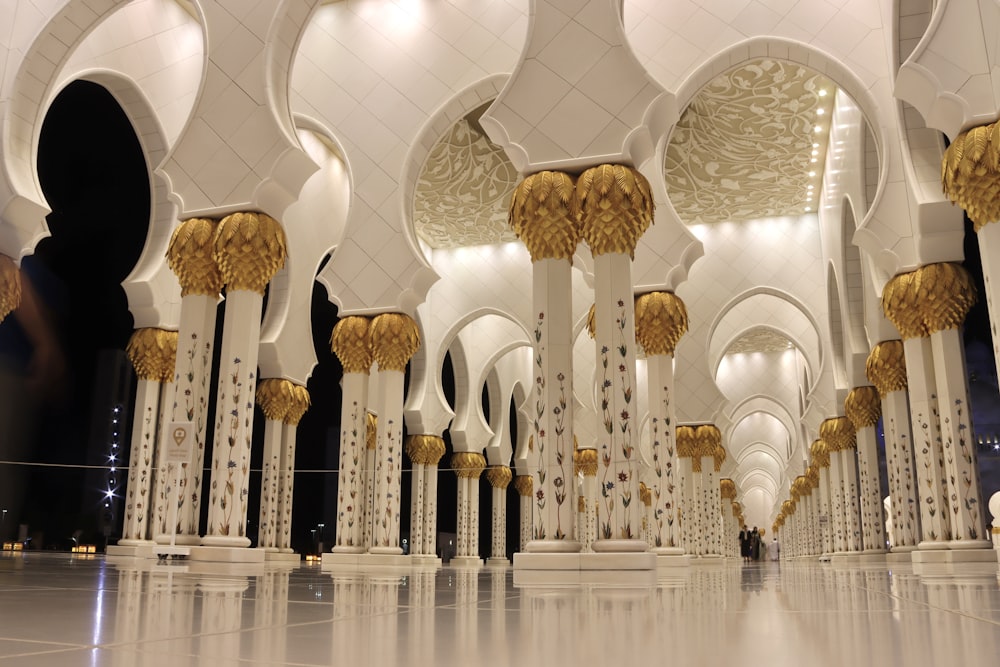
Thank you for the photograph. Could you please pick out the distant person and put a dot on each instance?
(754, 544)
(745, 544)
(773, 549)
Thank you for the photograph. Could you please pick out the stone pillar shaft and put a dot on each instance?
(270, 470)
(664, 528)
(228, 494)
(498, 543)
(928, 450)
(388, 463)
(145, 424)
(351, 479)
(852, 507)
(873, 527)
(961, 467)
(430, 509)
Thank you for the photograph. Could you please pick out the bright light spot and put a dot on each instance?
(812, 173)
(811, 187)
(820, 112)
(822, 92)
(813, 160)
(808, 208)
(818, 128)
(815, 145)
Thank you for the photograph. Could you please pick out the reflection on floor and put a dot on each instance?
(86, 610)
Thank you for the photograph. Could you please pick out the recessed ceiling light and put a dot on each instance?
(815, 145)
(813, 160)
(820, 111)
(818, 128)
(822, 92)
(815, 152)
(812, 173)
(811, 187)
(808, 208)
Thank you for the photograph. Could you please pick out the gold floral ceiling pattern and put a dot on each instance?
(760, 339)
(464, 190)
(744, 148)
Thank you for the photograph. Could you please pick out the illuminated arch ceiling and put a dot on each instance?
(747, 148)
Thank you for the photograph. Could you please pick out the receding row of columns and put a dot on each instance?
(920, 393)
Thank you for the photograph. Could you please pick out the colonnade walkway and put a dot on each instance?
(92, 610)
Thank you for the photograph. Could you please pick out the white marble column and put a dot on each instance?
(424, 451)
(523, 484)
(543, 217)
(351, 342)
(901, 303)
(712, 492)
(499, 478)
(468, 467)
(687, 508)
(368, 479)
(249, 250)
(191, 256)
(616, 208)
(286, 465)
(274, 398)
(955, 294)
(395, 338)
(864, 409)
(661, 319)
(152, 353)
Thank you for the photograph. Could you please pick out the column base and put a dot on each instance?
(580, 562)
(619, 546)
(131, 551)
(899, 556)
(386, 551)
(552, 546)
(425, 560)
(956, 556)
(466, 561)
(904, 549)
(932, 545)
(183, 540)
(365, 560)
(347, 550)
(220, 541)
(970, 544)
(225, 554)
(498, 563)
(281, 557)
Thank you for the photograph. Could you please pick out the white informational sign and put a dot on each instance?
(180, 440)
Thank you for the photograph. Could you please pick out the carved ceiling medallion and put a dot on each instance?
(760, 339)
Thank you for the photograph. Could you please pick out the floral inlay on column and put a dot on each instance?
(543, 214)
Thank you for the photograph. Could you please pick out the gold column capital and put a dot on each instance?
(616, 208)
(351, 341)
(645, 495)
(838, 434)
(886, 367)
(274, 396)
(371, 430)
(425, 449)
(585, 461)
(249, 249)
(660, 320)
(820, 452)
(10, 286)
(524, 484)
(948, 293)
(727, 488)
(468, 464)
(153, 353)
(191, 256)
(970, 173)
(901, 304)
(299, 405)
(499, 476)
(863, 407)
(395, 337)
(544, 216)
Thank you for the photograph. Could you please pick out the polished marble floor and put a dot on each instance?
(58, 609)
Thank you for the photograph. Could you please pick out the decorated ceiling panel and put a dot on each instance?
(751, 144)
(464, 189)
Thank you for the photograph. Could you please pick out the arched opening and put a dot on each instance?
(93, 174)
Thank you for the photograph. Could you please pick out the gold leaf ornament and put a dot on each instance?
(616, 208)
(970, 173)
(499, 476)
(153, 353)
(863, 407)
(395, 338)
(660, 320)
(524, 485)
(191, 256)
(543, 214)
(274, 396)
(249, 249)
(10, 286)
(886, 367)
(351, 341)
